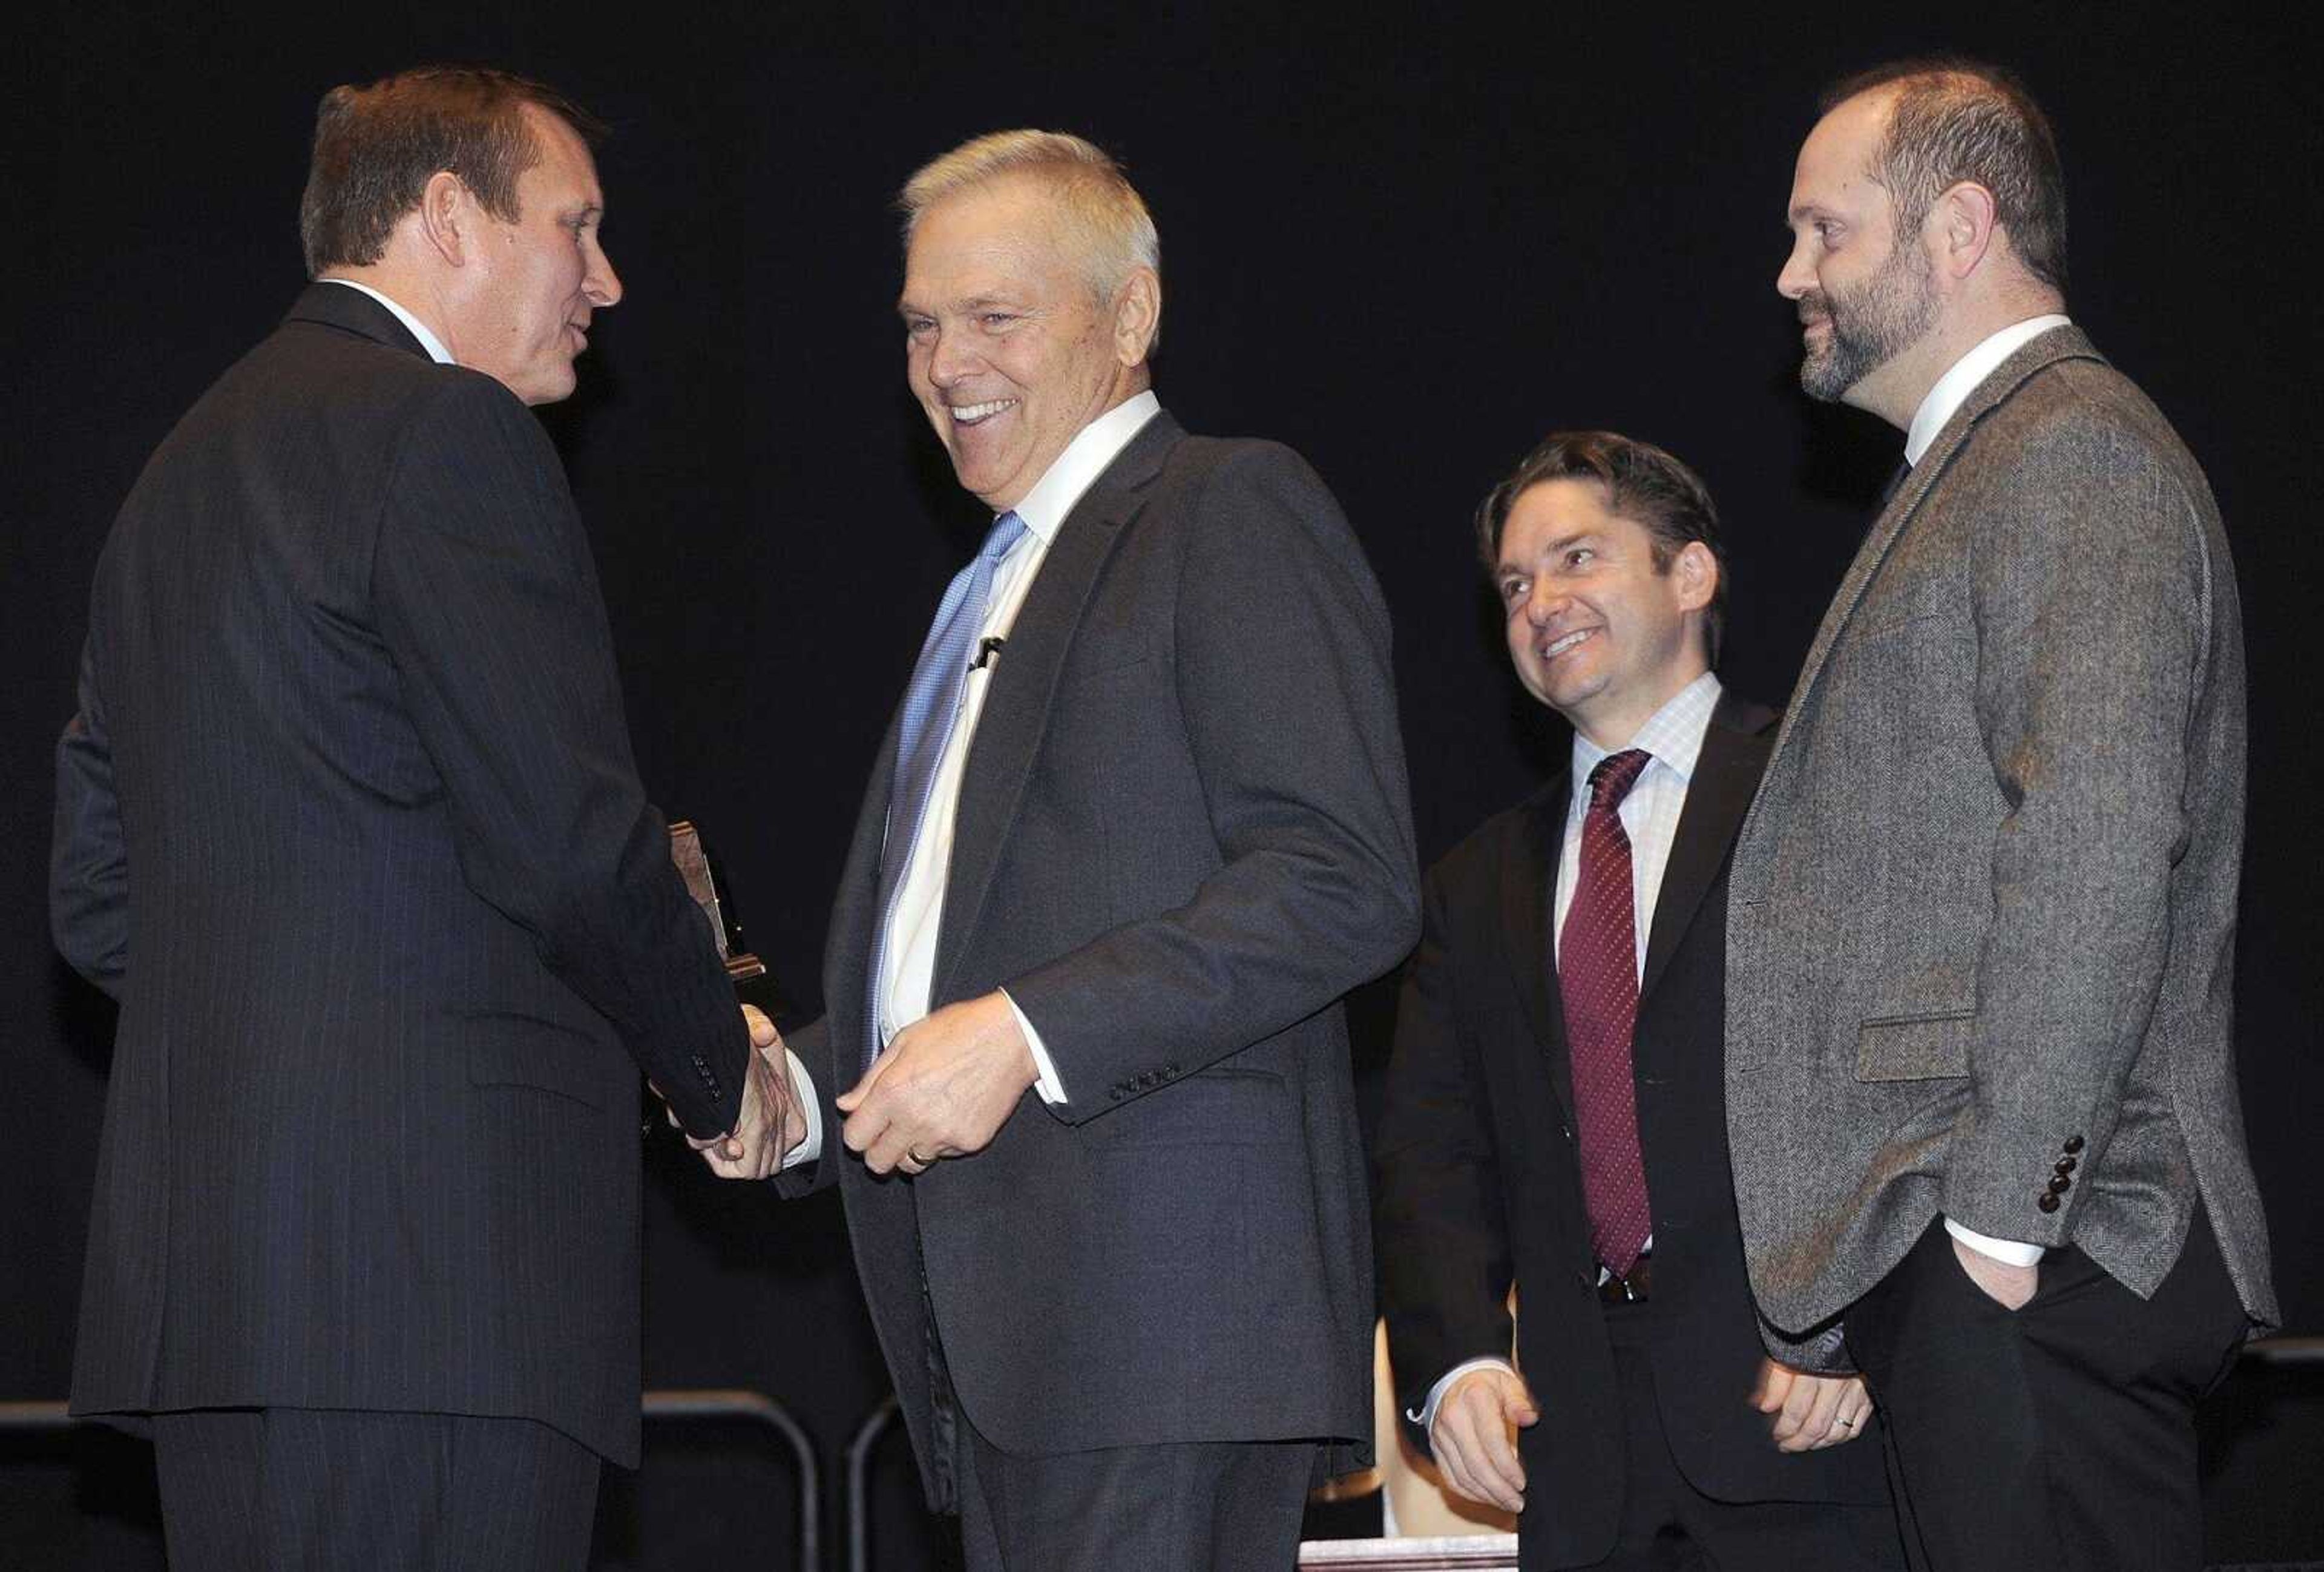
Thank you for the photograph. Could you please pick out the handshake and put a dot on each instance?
(773, 1119)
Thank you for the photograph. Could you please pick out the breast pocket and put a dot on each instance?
(1922, 1046)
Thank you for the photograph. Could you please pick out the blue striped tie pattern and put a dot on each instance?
(931, 709)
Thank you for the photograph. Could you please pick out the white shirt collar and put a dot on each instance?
(1085, 458)
(1673, 734)
(1961, 379)
(427, 341)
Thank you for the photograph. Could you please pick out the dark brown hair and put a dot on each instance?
(1642, 483)
(1958, 119)
(377, 147)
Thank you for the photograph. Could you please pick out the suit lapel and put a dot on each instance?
(1726, 772)
(2047, 349)
(1528, 893)
(1018, 706)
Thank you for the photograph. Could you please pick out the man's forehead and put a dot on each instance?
(956, 261)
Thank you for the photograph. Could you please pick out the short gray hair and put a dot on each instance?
(1104, 217)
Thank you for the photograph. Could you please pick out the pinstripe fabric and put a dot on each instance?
(348, 822)
(289, 1490)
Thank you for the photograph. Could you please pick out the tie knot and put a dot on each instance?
(1616, 774)
(1006, 532)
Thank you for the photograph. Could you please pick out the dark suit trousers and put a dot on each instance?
(1226, 1506)
(1669, 1526)
(325, 1489)
(2058, 1435)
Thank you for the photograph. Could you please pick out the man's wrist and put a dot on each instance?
(2008, 1252)
(1046, 1080)
(1425, 1418)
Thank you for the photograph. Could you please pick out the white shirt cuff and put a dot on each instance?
(1045, 1073)
(803, 1088)
(2008, 1252)
(1426, 1417)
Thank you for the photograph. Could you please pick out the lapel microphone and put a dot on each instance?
(986, 651)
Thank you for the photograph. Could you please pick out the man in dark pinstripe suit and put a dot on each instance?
(348, 823)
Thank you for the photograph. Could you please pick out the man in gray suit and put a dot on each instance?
(1980, 1076)
(1140, 823)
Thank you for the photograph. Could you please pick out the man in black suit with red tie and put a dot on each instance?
(1554, 1116)
(348, 823)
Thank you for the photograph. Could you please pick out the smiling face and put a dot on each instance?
(1008, 350)
(540, 275)
(1595, 630)
(1865, 298)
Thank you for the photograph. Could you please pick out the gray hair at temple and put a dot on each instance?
(1958, 119)
(1106, 219)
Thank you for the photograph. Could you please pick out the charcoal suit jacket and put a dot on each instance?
(1183, 834)
(348, 823)
(1481, 1182)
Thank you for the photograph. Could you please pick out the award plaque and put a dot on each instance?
(746, 971)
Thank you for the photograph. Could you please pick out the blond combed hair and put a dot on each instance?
(1104, 217)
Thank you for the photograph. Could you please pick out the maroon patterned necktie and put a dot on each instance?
(1598, 978)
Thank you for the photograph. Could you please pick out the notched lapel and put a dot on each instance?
(2067, 343)
(1726, 774)
(1529, 889)
(1017, 707)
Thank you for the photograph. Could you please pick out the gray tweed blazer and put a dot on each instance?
(1982, 925)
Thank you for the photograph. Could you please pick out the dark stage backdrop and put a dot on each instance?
(1405, 246)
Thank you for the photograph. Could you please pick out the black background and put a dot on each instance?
(1406, 245)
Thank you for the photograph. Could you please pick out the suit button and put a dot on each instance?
(2066, 1165)
(2073, 1144)
(2060, 1185)
(1114, 1092)
(2048, 1203)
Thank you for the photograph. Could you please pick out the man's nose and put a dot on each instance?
(1795, 278)
(949, 359)
(601, 283)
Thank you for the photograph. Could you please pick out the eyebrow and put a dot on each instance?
(1549, 549)
(904, 307)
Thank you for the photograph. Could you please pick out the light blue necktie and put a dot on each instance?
(931, 709)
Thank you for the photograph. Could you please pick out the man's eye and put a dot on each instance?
(996, 318)
(1580, 557)
(1513, 588)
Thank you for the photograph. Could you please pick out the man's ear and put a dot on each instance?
(448, 217)
(1136, 316)
(1696, 572)
(1960, 229)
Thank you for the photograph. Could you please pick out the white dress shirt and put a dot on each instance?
(428, 340)
(1937, 406)
(1649, 815)
(911, 951)
(1960, 381)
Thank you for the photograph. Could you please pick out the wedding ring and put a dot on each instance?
(914, 1153)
